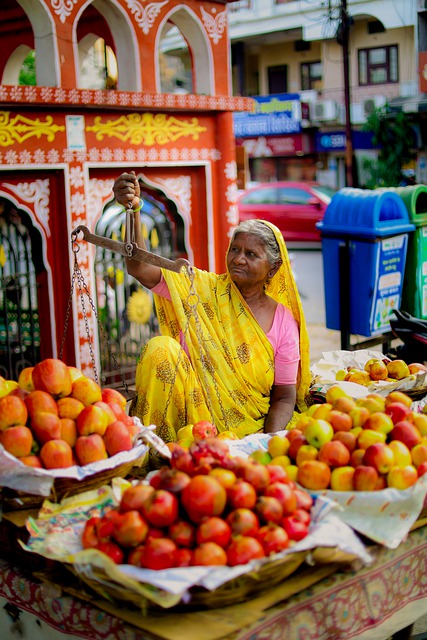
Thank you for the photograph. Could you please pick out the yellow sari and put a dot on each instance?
(228, 376)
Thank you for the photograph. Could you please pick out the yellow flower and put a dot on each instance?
(139, 307)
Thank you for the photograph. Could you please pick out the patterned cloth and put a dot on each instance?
(230, 371)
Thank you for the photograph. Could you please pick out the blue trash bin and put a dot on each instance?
(370, 230)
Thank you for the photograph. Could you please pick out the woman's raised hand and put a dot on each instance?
(126, 189)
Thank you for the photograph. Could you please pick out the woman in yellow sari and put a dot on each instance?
(234, 347)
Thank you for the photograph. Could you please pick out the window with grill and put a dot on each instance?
(379, 65)
(311, 76)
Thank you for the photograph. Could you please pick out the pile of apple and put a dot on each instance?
(376, 369)
(355, 445)
(207, 508)
(201, 430)
(55, 417)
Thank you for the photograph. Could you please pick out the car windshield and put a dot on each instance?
(324, 193)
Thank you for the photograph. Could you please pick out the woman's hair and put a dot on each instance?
(265, 234)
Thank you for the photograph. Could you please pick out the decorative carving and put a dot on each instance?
(19, 128)
(63, 8)
(100, 192)
(145, 16)
(214, 25)
(37, 193)
(147, 129)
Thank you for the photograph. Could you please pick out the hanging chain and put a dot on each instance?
(82, 288)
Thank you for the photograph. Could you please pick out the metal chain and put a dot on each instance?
(82, 288)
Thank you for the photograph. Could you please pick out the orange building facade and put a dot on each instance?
(62, 145)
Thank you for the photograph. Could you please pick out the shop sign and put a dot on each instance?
(336, 140)
(273, 115)
(262, 147)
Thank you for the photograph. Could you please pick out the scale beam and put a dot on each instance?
(132, 250)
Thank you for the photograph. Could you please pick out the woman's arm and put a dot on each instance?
(126, 189)
(282, 405)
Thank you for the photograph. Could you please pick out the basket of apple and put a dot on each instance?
(238, 520)
(371, 370)
(60, 434)
(359, 450)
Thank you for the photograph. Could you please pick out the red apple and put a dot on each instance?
(398, 411)
(318, 432)
(56, 454)
(379, 422)
(340, 421)
(17, 441)
(365, 478)
(379, 456)
(117, 438)
(90, 449)
(92, 419)
(407, 433)
(13, 412)
(204, 429)
(46, 426)
(86, 390)
(314, 474)
(52, 376)
(113, 395)
(69, 407)
(40, 401)
(347, 438)
(334, 453)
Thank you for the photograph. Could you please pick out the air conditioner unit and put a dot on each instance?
(369, 104)
(356, 113)
(324, 111)
(308, 95)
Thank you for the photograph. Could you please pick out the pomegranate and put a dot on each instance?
(243, 549)
(269, 509)
(134, 497)
(213, 529)
(183, 533)
(277, 473)
(273, 538)
(284, 494)
(158, 553)
(183, 557)
(295, 529)
(160, 509)
(257, 475)
(241, 495)
(209, 553)
(203, 496)
(112, 550)
(130, 529)
(244, 522)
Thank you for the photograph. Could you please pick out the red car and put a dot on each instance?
(294, 207)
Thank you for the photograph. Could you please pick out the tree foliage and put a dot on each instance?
(394, 135)
(27, 75)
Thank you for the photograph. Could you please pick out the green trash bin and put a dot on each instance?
(414, 292)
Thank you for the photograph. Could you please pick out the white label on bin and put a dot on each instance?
(424, 268)
(390, 244)
(390, 280)
(424, 231)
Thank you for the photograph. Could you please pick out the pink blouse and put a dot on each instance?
(283, 336)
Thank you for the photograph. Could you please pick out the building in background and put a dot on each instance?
(292, 50)
(86, 92)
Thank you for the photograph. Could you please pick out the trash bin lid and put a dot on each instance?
(365, 213)
(415, 200)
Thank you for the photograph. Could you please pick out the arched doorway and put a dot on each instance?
(20, 263)
(125, 308)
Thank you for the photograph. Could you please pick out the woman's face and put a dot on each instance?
(247, 261)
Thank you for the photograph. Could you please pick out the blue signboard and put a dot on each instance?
(336, 140)
(390, 267)
(273, 115)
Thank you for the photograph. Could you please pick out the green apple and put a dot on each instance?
(318, 432)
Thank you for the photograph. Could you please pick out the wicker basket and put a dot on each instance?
(232, 592)
(63, 488)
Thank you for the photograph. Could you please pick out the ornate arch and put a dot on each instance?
(195, 35)
(47, 62)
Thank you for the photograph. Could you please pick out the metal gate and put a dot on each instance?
(125, 308)
(19, 318)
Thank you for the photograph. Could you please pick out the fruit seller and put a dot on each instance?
(243, 357)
